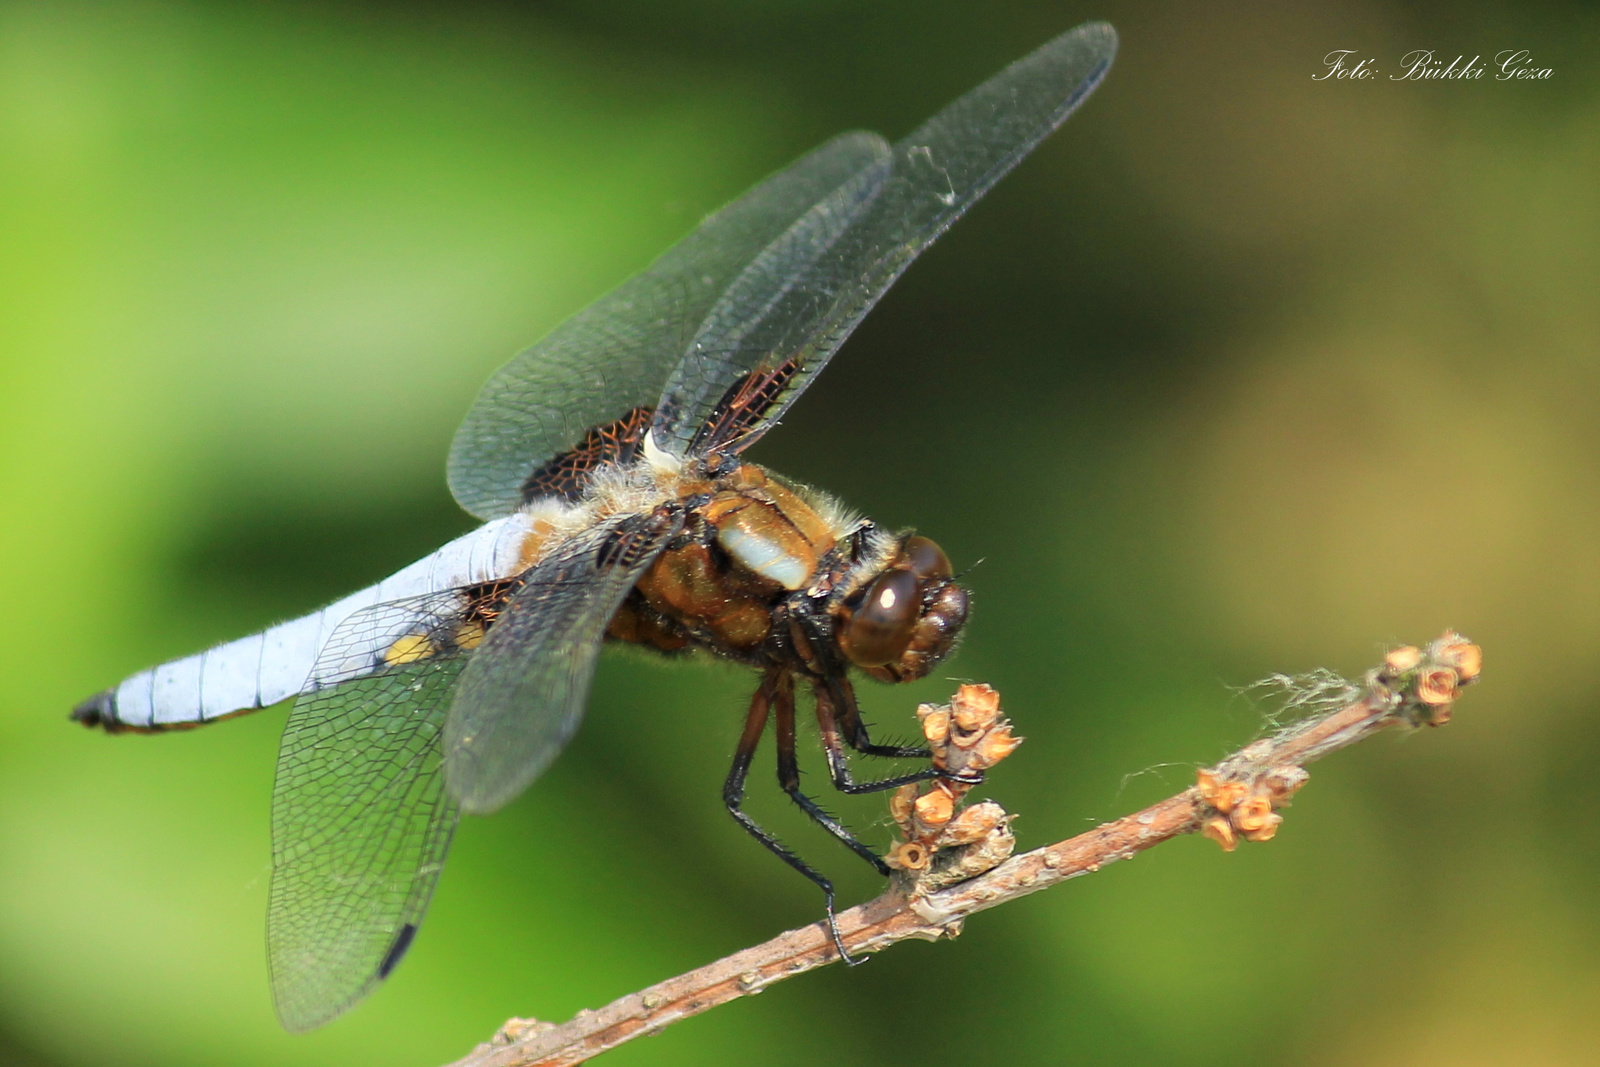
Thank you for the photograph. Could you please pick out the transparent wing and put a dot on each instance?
(781, 319)
(361, 820)
(521, 697)
(614, 356)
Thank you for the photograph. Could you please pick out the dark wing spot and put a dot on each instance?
(485, 601)
(391, 959)
(634, 538)
(613, 442)
(739, 417)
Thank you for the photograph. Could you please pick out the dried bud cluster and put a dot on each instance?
(969, 735)
(1428, 681)
(1246, 808)
(945, 843)
(1240, 797)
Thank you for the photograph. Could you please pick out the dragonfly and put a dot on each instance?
(606, 464)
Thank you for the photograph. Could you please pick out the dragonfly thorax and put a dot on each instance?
(766, 572)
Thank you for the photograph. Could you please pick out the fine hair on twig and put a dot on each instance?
(1292, 698)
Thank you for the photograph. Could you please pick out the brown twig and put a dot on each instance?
(1234, 799)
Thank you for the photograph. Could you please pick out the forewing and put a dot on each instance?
(523, 694)
(614, 356)
(763, 343)
(361, 819)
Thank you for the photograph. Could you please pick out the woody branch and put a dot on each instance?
(1232, 801)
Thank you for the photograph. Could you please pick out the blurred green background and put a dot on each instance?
(1240, 373)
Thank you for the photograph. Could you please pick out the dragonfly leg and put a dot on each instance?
(828, 720)
(789, 781)
(776, 682)
(847, 712)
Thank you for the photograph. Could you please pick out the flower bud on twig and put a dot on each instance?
(945, 843)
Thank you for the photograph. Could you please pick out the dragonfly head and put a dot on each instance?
(907, 618)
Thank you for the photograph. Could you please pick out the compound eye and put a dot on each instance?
(927, 559)
(880, 629)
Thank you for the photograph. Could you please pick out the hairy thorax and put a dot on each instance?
(749, 543)
(764, 571)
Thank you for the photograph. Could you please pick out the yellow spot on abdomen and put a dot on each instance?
(409, 649)
(469, 634)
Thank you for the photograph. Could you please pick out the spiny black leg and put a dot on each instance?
(839, 763)
(855, 731)
(773, 682)
(848, 715)
(789, 782)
